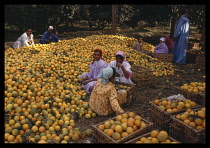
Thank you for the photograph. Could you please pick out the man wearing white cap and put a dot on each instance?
(161, 48)
(49, 36)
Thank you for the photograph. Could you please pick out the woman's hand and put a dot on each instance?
(85, 78)
(86, 82)
(119, 64)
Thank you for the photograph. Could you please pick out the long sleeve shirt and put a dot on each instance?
(47, 36)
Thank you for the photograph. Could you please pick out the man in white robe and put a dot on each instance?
(25, 39)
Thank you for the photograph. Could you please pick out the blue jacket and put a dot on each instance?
(47, 36)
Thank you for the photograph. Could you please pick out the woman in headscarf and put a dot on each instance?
(98, 64)
(104, 99)
(161, 48)
(169, 43)
(123, 68)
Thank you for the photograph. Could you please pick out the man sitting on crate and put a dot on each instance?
(105, 99)
(161, 48)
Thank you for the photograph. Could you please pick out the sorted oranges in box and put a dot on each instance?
(174, 105)
(194, 118)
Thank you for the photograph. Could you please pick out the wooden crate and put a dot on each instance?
(162, 119)
(142, 76)
(186, 134)
(101, 137)
(131, 91)
(165, 57)
(148, 135)
(198, 98)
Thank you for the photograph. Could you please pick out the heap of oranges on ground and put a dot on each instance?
(39, 77)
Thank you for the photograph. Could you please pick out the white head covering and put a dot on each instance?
(105, 75)
(50, 28)
(162, 39)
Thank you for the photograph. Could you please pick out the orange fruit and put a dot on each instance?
(154, 133)
(156, 102)
(118, 128)
(129, 130)
(101, 127)
(119, 117)
(137, 122)
(192, 124)
(198, 121)
(186, 121)
(123, 134)
(109, 132)
(131, 114)
(116, 136)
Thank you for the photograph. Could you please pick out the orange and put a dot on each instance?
(119, 117)
(118, 128)
(198, 122)
(129, 130)
(116, 136)
(131, 114)
(109, 132)
(192, 124)
(137, 122)
(156, 102)
(154, 133)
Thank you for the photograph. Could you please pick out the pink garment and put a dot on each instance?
(122, 54)
(95, 68)
(169, 44)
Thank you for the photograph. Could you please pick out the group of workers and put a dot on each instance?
(27, 38)
(104, 98)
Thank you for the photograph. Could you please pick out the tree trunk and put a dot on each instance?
(55, 29)
(173, 23)
(114, 19)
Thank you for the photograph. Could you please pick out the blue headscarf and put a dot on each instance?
(105, 75)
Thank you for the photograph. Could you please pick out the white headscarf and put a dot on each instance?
(105, 75)
(50, 28)
(162, 39)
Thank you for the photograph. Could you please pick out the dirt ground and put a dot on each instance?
(158, 89)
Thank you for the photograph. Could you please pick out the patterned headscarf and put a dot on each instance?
(105, 75)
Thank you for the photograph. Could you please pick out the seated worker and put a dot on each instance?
(137, 46)
(104, 99)
(161, 48)
(123, 68)
(49, 36)
(169, 43)
(25, 39)
(98, 64)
